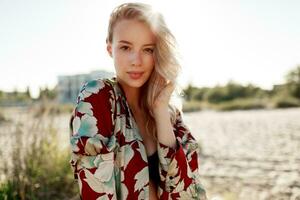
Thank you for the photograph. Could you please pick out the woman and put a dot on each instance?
(127, 141)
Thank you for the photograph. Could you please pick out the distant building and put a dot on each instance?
(68, 86)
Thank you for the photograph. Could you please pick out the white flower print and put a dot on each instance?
(142, 178)
(88, 126)
(85, 108)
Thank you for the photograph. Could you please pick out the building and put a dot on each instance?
(68, 86)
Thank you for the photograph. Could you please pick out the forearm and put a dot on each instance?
(165, 133)
(178, 165)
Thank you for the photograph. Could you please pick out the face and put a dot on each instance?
(132, 51)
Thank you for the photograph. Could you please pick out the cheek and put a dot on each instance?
(119, 58)
(151, 61)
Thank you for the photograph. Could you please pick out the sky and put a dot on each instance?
(247, 41)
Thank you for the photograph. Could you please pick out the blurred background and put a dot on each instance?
(240, 96)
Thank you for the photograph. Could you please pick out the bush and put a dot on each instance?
(241, 104)
(192, 106)
(199, 94)
(229, 92)
(286, 102)
(216, 95)
(293, 82)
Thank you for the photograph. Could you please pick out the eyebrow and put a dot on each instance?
(127, 42)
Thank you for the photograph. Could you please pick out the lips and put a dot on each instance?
(135, 74)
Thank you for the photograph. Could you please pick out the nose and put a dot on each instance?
(136, 59)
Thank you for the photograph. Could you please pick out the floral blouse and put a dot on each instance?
(109, 157)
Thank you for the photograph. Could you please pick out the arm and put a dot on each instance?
(179, 162)
(92, 140)
(164, 127)
(178, 154)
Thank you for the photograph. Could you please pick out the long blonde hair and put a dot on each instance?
(165, 55)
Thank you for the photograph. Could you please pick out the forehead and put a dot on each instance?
(133, 31)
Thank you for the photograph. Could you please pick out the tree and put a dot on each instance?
(293, 82)
(46, 93)
(27, 92)
(189, 91)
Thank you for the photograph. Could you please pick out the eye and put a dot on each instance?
(149, 50)
(124, 48)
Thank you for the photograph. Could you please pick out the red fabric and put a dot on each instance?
(112, 163)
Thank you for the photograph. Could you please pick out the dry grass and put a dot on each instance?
(37, 161)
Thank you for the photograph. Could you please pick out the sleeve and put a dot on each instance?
(179, 167)
(93, 142)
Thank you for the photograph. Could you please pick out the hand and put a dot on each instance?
(163, 99)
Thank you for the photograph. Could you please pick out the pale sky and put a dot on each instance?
(248, 41)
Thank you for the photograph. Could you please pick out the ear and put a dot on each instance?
(109, 48)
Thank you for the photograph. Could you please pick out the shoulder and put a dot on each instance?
(94, 112)
(97, 98)
(95, 90)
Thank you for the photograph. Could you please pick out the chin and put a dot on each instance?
(132, 83)
(136, 83)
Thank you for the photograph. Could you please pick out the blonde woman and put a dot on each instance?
(127, 141)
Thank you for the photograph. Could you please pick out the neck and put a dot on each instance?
(132, 96)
